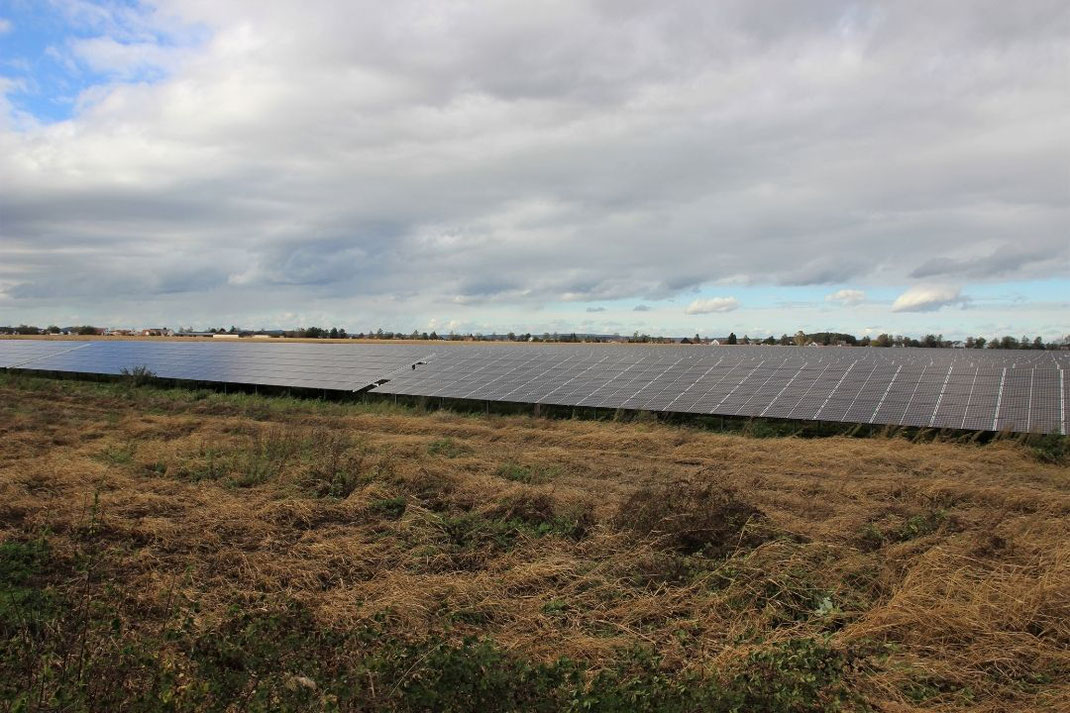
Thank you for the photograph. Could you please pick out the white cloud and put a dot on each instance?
(324, 154)
(714, 304)
(5, 26)
(927, 298)
(847, 298)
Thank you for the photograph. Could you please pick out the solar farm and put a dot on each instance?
(979, 390)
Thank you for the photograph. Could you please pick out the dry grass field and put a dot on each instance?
(189, 550)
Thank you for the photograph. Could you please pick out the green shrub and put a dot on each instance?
(1052, 448)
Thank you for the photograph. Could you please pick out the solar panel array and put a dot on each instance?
(296, 365)
(940, 388)
(15, 352)
(1024, 391)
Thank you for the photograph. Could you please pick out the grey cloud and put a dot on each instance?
(825, 271)
(596, 309)
(641, 308)
(103, 282)
(1003, 262)
(510, 156)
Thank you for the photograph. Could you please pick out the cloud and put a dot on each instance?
(823, 271)
(5, 26)
(387, 158)
(641, 308)
(847, 298)
(714, 304)
(997, 264)
(928, 298)
(596, 309)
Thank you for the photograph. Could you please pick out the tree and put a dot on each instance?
(334, 333)
(882, 340)
(801, 339)
(1038, 343)
(1007, 343)
(731, 338)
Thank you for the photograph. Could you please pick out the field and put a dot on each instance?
(172, 549)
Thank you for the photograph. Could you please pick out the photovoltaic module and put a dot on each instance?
(976, 389)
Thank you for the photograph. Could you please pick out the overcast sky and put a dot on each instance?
(605, 166)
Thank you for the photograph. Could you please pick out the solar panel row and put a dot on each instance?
(301, 365)
(988, 390)
(939, 388)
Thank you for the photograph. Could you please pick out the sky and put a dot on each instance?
(604, 166)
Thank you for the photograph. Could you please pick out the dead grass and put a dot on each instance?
(941, 570)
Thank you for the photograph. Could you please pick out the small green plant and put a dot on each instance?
(391, 508)
(528, 474)
(21, 603)
(791, 677)
(118, 455)
(555, 607)
(915, 526)
(448, 448)
(920, 525)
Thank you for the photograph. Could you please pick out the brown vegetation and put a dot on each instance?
(935, 576)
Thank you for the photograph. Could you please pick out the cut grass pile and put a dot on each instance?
(188, 550)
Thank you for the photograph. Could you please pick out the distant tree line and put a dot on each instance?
(800, 338)
(25, 329)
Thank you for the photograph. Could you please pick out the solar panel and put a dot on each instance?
(937, 388)
(327, 366)
(16, 352)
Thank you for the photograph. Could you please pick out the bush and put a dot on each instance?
(137, 375)
(1052, 448)
(691, 516)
